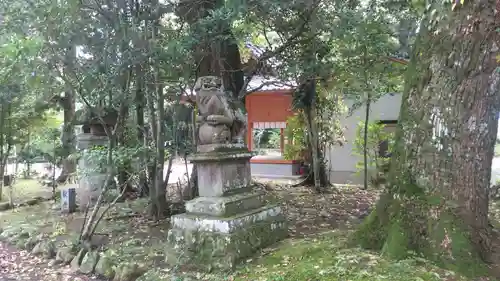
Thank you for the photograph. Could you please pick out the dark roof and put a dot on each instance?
(257, 52)
(263, 84)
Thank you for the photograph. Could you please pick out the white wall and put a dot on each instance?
(341, 159)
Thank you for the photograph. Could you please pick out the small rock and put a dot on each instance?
(31, 202)
(49, 251)
(128, 272)
(65, 255)
(324, 214)
(20, 236)
(105, 267)
(46, 249)
(89, 262)
(353, 218)
(4, 206)
(77, 260)
(30, 243)
(21, 243)
(8, 232)
(37, 250)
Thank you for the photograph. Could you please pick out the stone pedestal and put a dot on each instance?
(229, 221)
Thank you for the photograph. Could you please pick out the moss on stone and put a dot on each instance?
(209, 250)
(106, 267)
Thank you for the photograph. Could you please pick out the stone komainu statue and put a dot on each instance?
(220, 118)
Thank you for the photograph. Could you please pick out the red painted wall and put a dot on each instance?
(269, 106)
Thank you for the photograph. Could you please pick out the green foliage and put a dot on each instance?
(330, 108)
(295, 133)
(375, 135)
(40, 139)
(47, 145)
(363, 69)
(274, 139)
(122, 157)
(267, 138)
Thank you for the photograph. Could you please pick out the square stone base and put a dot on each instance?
(207, 242)
(225, 206)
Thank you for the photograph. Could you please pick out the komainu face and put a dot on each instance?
(208, 83)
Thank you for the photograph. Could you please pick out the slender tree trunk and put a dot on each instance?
(168, 172)
(126, 169)
(192, 190)
(162, 209)
(312, 131)
(437, 198)
(53, 165)
(319, 175)
(3, 167)
(3, 132)
(365, 142)
(159, 206)
(68, 133)
(141, 137)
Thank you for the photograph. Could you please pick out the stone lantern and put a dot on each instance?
(92, 175)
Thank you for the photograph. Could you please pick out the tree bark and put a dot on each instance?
(4, 136)
(436, 202)
(68, 133)
(365, 142)
(192, 185)
(160, 202)
(220, 55)
(219, 58)
(139, 110)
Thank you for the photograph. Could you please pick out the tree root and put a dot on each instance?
(400, 229)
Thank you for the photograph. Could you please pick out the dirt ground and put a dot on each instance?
(127, 229)
(21, 266)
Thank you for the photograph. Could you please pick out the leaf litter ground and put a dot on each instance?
(315, 249)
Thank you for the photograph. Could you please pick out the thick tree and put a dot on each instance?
(216, 52)
(436, 202)
(67, 103)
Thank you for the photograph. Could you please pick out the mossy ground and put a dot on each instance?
(24, 189)
(317, 249)
(321, 257)
(327, 257)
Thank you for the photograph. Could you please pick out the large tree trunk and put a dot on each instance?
(437, 198)
(219, 57)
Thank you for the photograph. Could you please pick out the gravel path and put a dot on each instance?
(20, 266)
